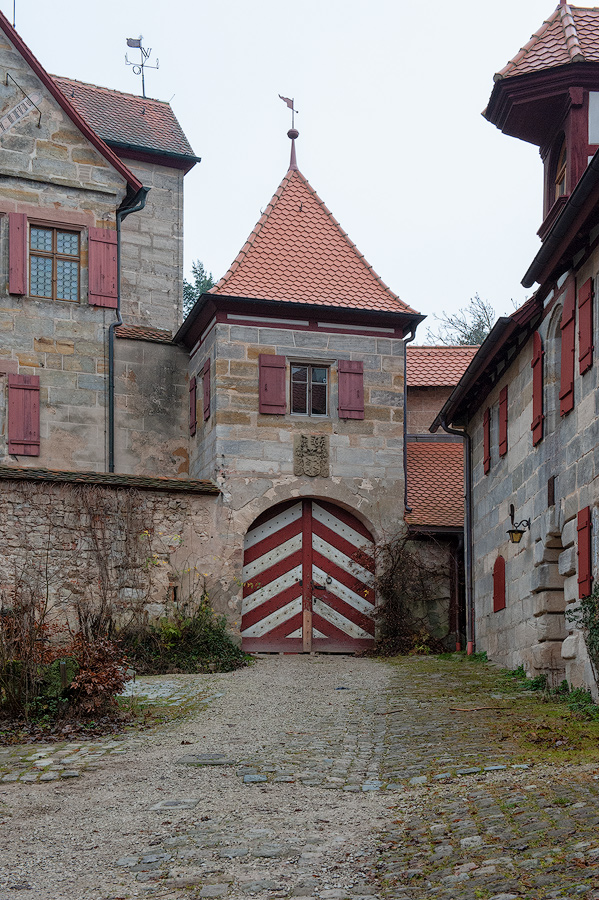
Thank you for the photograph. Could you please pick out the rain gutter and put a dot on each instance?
(131, 204)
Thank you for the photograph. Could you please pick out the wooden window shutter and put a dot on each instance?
(585, 571)
(487, 441)
(24, 415)
(585, 326)
(503, 421)
(17, 253)
(273, 396)
(103, 275)
(568, 324)
(537, 389)
(351, 389)
(499, 584)
(192, 406)
(206, 388)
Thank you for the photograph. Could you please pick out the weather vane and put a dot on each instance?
(291, 104)
(138, 68)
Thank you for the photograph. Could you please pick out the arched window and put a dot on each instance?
(499, 584)
(552, 373)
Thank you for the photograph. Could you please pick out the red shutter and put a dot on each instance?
(585, 572)
(503, 421)
(24, 415)
(17, 253)
(206, 387)
(499, 584)
(568, 324)
(487, 440)
(103, 276)
(351, 389)
(537, 389)
(192, 406)
(273, 396)
(585, 326)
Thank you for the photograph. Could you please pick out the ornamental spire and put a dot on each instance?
(293, 133)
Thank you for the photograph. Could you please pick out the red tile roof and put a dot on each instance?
(299, 253)
(570, 34)
(435, 476)
(142, 333)
(120, 118)
(437, 366)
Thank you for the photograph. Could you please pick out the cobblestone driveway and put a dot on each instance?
(327, 777)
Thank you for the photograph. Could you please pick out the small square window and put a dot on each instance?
(54, 257)
(309, 390)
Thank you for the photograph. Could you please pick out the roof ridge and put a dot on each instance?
(570, 33)
(535, 37)
(101, 87)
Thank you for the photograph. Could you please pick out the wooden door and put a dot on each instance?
(308, 581)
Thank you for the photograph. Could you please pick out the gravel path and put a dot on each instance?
(326, 777)
(147, 821)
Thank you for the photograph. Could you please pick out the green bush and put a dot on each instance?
(198, 642)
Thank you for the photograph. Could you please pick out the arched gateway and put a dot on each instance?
(307, 580)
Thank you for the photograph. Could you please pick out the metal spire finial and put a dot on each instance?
(293, 133)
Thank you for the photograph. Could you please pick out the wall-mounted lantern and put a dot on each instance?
(518, 528)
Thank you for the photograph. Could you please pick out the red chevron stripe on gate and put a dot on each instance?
(307, 580)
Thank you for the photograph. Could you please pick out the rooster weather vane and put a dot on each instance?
(138, 68)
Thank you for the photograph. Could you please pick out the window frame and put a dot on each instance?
(55, 256)
(310, 366)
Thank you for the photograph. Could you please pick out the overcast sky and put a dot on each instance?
(389, 94)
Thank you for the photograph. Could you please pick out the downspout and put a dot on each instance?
(411, 337)
(470, 638)
(130, 204)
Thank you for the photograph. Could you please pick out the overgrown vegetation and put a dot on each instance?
(413, 605)
(74, 610)
(198, 642)
(577, 700)
(586, 617)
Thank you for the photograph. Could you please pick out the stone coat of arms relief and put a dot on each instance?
(311, 455)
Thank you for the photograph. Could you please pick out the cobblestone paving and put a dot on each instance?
(324, 777)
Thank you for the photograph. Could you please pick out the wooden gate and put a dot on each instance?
(308, 581)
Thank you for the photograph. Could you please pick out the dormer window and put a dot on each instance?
(560, 172)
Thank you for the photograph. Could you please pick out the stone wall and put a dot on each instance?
(423, 405)
(541, 571)
(159, 547)
(151, 408)
(252, 455)
(152, 251)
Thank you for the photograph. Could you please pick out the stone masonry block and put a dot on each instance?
(571, 589)
(546, 577)
(547, 656)
(569, 533)
(543, 554)
(551, 627)
(570, 647)
(548, 602)
(568, 562)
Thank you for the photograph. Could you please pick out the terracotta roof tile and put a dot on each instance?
(435, 476)
(142, 333)
(111, 479)
(121, 118)
(437, 366)
(299, 253)
(570, 34)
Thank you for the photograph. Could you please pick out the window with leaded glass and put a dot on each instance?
(309, 390)
(54, 257)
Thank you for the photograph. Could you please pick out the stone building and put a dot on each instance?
(435, 479)
(263, 438)
(528, 400)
